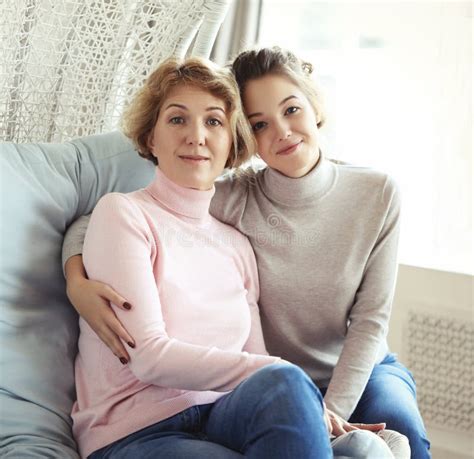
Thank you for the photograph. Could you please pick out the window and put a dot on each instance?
(397, 80)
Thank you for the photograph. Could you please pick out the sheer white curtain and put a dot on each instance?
(67, 67)
(239, 30)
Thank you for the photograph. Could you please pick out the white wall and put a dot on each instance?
(443, 294)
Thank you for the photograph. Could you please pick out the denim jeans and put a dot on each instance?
(390, 397)
(276, 413)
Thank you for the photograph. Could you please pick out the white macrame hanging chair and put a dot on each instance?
(68, 67)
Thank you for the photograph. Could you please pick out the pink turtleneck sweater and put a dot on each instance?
(194, 284)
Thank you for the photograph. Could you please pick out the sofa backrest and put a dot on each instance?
(44, 188)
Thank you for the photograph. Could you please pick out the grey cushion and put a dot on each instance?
(398, 443)
(360, 444)
(43, 188)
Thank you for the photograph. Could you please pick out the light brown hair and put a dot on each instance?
(141, 115)
(257, 63)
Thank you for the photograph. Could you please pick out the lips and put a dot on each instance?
(288, 149)
(194, 158)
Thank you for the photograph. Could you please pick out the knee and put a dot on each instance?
(282, 373)
(361, 444)
(287, 393)
(287, 378)
(400, 413)
(405, 421)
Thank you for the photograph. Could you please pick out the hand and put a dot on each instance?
(92, 300)
(338, 426)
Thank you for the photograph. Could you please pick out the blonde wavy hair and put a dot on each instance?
(140, 117)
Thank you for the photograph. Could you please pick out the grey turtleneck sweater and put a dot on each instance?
(326, 248)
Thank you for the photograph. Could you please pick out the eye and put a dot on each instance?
(214, 122)
(291, 110)
(258, 126)
(176, 120)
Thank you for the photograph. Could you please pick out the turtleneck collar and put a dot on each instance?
(186, 202)
(299, 191)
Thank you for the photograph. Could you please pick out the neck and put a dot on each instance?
(187, 202)
(302, 190)
(305, 170)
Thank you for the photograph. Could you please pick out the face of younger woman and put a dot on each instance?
(284, 124)
(192, 137)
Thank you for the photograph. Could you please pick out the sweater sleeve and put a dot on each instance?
(74, 238)
(370, 313)
(117, 251)
(232, 190)
(255, 342)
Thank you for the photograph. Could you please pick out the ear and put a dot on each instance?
(149, 140)
(150, 144)
(320, 118)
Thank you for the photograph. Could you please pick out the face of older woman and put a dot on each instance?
(192, 137)
(284, 124)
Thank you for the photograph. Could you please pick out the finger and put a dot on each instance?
(371, 427)
(116, 299)
(337, 429)
(327, 419)
(113, 342)
(329, 427)
(350, 427)
(117, 327)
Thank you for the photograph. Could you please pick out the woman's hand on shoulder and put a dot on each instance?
(92, 299)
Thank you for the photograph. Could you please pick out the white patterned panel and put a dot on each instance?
(439, 353)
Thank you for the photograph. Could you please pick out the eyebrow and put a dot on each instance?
(208, 109)
(286, 99)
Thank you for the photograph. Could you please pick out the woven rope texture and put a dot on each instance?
(68, 67)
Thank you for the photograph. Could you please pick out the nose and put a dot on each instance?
(283, 130)
(196, 134)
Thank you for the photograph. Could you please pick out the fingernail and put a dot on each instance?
(132, 345)
(123, 360)
(127, 305)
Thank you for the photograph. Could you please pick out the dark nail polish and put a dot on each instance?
(132, 345)
(127, 305)
(123, 360)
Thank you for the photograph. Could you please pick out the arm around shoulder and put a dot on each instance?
(74, 239)
(232, 192)
(122, 259)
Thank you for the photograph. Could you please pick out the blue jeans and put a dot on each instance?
(390, 397)
(277, 413)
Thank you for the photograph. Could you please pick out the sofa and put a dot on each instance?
(43, 189)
